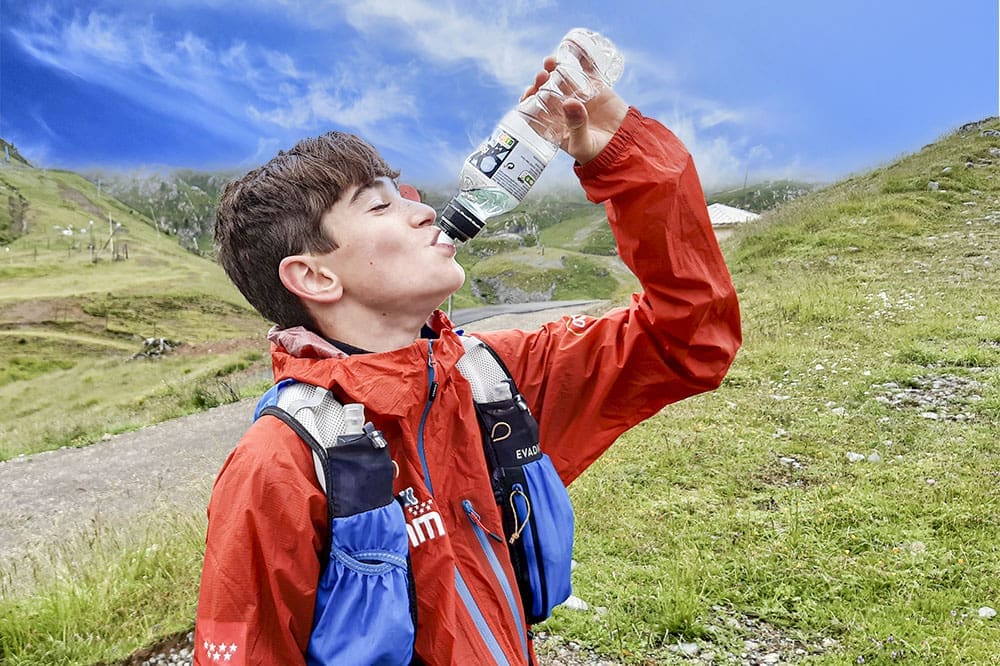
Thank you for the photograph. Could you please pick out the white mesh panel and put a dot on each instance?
(329, 414)
(481, 369)
(296, 398)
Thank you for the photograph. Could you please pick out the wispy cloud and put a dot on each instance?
(225, 89)
(442, 32)
(371, 77)
(178, 78)
(326, 102)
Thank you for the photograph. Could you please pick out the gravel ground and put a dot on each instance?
(763, 645)
(552, 651)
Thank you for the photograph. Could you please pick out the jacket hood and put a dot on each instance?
(393, 382)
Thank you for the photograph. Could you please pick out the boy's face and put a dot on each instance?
(388, 257)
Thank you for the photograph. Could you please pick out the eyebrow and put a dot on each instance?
(381, 181)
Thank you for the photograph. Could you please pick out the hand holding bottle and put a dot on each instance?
(590, 125)
(571, 105)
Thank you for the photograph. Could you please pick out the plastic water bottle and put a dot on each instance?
(497, 176)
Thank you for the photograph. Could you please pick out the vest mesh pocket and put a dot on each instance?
(363, 611)
(534, 504)
(363, 603)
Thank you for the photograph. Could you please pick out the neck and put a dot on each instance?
(373, 330)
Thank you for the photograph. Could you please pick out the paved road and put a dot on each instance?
(64, 494)
(467, 316)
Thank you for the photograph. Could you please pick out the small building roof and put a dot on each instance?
(723, 215)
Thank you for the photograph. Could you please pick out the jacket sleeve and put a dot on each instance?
(266, 519)
(588, 380)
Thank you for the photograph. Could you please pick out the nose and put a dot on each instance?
(421, 214)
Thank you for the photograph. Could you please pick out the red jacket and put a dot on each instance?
(586, 381)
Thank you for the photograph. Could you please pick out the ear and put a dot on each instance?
(409, 192)
(307, 277)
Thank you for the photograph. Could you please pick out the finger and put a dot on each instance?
(540, 79)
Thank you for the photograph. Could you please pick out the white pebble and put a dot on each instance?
(575, 603)
(855, 457)
(987, 613)
(689, 649)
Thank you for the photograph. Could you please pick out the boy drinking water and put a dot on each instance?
(322, 242)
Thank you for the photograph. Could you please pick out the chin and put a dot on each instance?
(460, 279)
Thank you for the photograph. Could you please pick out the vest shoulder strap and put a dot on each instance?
(321, 415)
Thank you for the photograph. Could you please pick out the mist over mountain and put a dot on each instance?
(180, 202)
(766, 195)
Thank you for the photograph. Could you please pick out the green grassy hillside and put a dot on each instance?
(181, 203)
(836, 501)
(551, 247)
(85, 280)
(839, 494)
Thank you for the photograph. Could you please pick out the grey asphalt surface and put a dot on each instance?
(67, 494)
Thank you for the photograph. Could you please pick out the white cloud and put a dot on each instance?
(759, 153)
(716, 158)
(326, 103)
(97, 38)
(714, 131)
(44, 126)
(718, 116)
(186, 77)
(445, 33)
(133, 60)
(267, 147)
(224, 88)
(282, 63)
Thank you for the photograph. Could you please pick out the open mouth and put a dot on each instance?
(441, 238)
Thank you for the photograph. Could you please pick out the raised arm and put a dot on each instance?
(588, 380)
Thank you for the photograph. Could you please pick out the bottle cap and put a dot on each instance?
(459, 222)
(501, 391)
(354, 419)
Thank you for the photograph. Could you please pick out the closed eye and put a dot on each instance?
(376, 208)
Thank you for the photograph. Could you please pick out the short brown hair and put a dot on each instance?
(276, 211)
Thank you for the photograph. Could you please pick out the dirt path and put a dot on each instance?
(59, 495)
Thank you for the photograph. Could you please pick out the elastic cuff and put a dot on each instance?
(619, 142)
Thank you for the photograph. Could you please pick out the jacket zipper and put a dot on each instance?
(481, 534)
(460, 585)
(432, 387)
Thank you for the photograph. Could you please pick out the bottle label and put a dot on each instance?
(508, 162)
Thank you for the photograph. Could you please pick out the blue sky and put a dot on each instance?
(806, 89)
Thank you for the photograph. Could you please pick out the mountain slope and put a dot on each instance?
(839, 491)
(835, 501)
(85, 281)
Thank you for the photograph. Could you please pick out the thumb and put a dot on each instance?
(577, 128)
